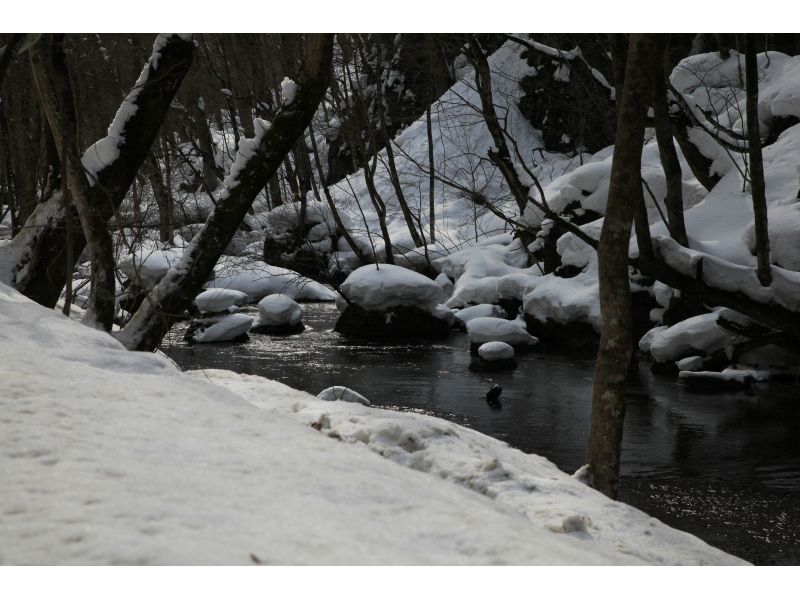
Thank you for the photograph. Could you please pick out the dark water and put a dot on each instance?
(723, 466)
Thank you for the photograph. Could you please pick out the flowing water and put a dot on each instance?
(723, 466)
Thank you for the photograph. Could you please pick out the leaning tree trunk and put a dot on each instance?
(756, 162)
(37, 257)
(49, 67)
(257, 160)
(616, 342)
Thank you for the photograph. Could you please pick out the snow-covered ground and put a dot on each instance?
(115, 457)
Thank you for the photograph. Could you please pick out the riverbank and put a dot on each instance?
(119, 458)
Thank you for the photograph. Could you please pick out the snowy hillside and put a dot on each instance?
(117, 457)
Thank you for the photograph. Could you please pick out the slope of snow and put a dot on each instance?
(111, 457)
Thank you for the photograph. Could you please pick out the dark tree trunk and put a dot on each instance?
(431, 179)
(57, 99)
(756, 162)
(168, 300)
(614, 354)
(666, 147)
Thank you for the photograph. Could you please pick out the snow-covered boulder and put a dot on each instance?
(392, 302)
(698, 335)
(228, 328)
(484, 310)
(342, 393)
(380, 288)
(259, 279)
(148, 265)
(278, 314)
(512, 332)
(493, 356)
(219, 300)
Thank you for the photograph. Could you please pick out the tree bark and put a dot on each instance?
(57, 99)
(263, 156)
(431, 179)
(756, 162)
(614, 354)
(666, 147)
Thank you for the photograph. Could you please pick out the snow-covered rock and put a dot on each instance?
(342, 393)
(381, 288)
(699, 334)
(484, 330)
(218, 330)
(494, 350)
(219, 300)
(278, 314)
(484, 310)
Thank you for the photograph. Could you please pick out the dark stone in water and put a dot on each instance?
(281, 329)
(397, 322)
(579, 338)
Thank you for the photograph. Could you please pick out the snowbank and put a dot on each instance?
(258, 279)
(177, 470)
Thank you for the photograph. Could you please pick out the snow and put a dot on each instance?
(690, 364)
(148, 265)
(211, 467)
(288, 90)
(699, 334)
(513, 332)
(218, 300)
(484, 310)
(258, 279)
(225, 329)
(495, 350)
(278, 309)
(342, 393)
(389, 286)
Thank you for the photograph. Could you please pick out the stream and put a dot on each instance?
(724, 466)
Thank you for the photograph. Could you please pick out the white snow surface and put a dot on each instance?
(495, 350)
(386, 286)
(225, 329)
(211, 467)
(278, 309)
(217, 300)
(513, 332)
(484, 310)
(259, 279)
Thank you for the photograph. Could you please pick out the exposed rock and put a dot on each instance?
(395, 322)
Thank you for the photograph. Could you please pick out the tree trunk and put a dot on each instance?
(431, 179)
(756, 162)
(616, 342)
(262, 158)
(666, 148)
(49, 67)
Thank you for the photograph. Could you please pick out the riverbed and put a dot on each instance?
(723, 466)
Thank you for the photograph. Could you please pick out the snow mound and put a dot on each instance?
(342, 393)
(277, 310)
(148, 265)
(495, 350)
(225, 329)
(391, 286)
(699, 334)
(174, 471)
(217, 300)
(513, 332)
(258, 279)
(484, 310)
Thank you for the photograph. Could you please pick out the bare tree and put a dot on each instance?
(757, 185)
(616, 342)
